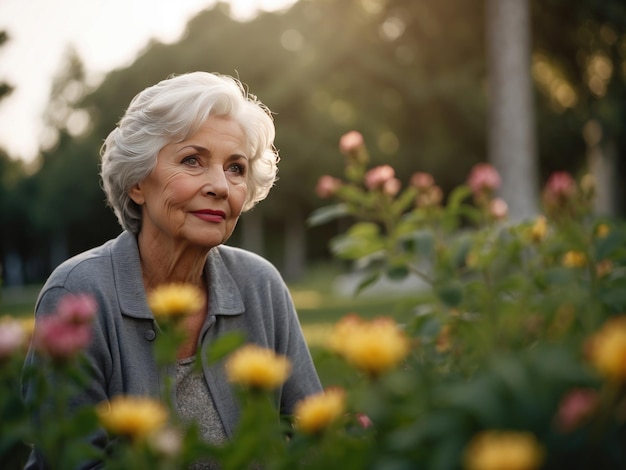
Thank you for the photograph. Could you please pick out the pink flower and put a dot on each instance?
(498, 209)
(364, 420)
(561, 184)
(327, 186)
(77, 309)
(392, 187)
(65, 333)
(60, 339)
(422, 181)
(12, 337)
(351, 142)
(575, 407)
(378, 176)
(483, 178)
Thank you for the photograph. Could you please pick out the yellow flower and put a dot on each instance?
(539, 229)
(503, 450)
(574, 259)
(176, 299)
(602, 230)
(607, 349)
(316, 412)
(132, 416)
(372, 346)
(257, 367)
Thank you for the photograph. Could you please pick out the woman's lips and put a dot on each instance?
(210, 215)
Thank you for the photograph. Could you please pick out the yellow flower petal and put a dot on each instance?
(257, 367)
(176, 299)
(372, 346)
(316, 412)
(132, 416)
(503, 450)
(607, 349)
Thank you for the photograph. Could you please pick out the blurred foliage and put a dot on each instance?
(410, 75)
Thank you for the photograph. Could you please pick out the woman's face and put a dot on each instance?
(198, 187)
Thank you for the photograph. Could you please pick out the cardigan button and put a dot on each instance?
(150, 335)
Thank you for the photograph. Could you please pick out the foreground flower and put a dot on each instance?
(78, 309)
(483, 180)
(372, 346)
(607, 349)
(327, 186)
(559, 192)
(603, 230)
(257, 367)
(503, 450)
(13, 337)
(539, 229)
(175, 300)
(350, 142)
(574, 259)
(132, 416)
(317, 412)
(378, 176)
(498, 209)
(68, 331)
(575, 408)
(422, 181)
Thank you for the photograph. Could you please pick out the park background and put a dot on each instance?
(435, 86)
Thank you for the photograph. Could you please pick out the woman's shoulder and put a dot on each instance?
(84, 266)
(241, 260)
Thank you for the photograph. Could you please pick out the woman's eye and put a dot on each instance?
(236, 168)
(191, 161)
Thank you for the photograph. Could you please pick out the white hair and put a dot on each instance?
(171, 111)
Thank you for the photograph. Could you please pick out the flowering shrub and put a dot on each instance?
(513, 356)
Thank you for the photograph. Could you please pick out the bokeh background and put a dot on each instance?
(425, 81)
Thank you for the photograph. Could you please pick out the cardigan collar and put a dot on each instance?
(224, 295)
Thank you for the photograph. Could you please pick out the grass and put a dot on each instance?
(318, 305)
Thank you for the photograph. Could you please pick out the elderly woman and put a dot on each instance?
(190, 154)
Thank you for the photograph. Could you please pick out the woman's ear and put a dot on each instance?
(136, 194)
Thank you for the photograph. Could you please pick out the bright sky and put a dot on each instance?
(105, 33)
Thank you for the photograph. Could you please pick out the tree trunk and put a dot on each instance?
(512, 139)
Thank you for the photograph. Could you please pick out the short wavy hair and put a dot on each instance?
(171, 111)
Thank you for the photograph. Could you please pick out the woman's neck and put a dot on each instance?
(168, 263)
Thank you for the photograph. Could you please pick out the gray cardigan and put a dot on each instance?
(246, 294)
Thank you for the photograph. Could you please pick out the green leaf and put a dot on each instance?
(223, 346)
(326, 214)
(367, 281)
(451, 293)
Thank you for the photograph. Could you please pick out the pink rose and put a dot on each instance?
(575, 407)
(422, 181)
(68, 331)
(351, 142)
(392, 187)
(364, 420)
(498, 209)
(77, 309)
(12, 337)
(378, 176)
(327, 186)
(483, 178)
(561, 184)
(59, 338)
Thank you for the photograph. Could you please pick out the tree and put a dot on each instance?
(511, 128)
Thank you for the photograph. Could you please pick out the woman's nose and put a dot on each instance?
(216, 183)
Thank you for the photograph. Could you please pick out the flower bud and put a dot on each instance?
(327, 186)
(376, 177)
